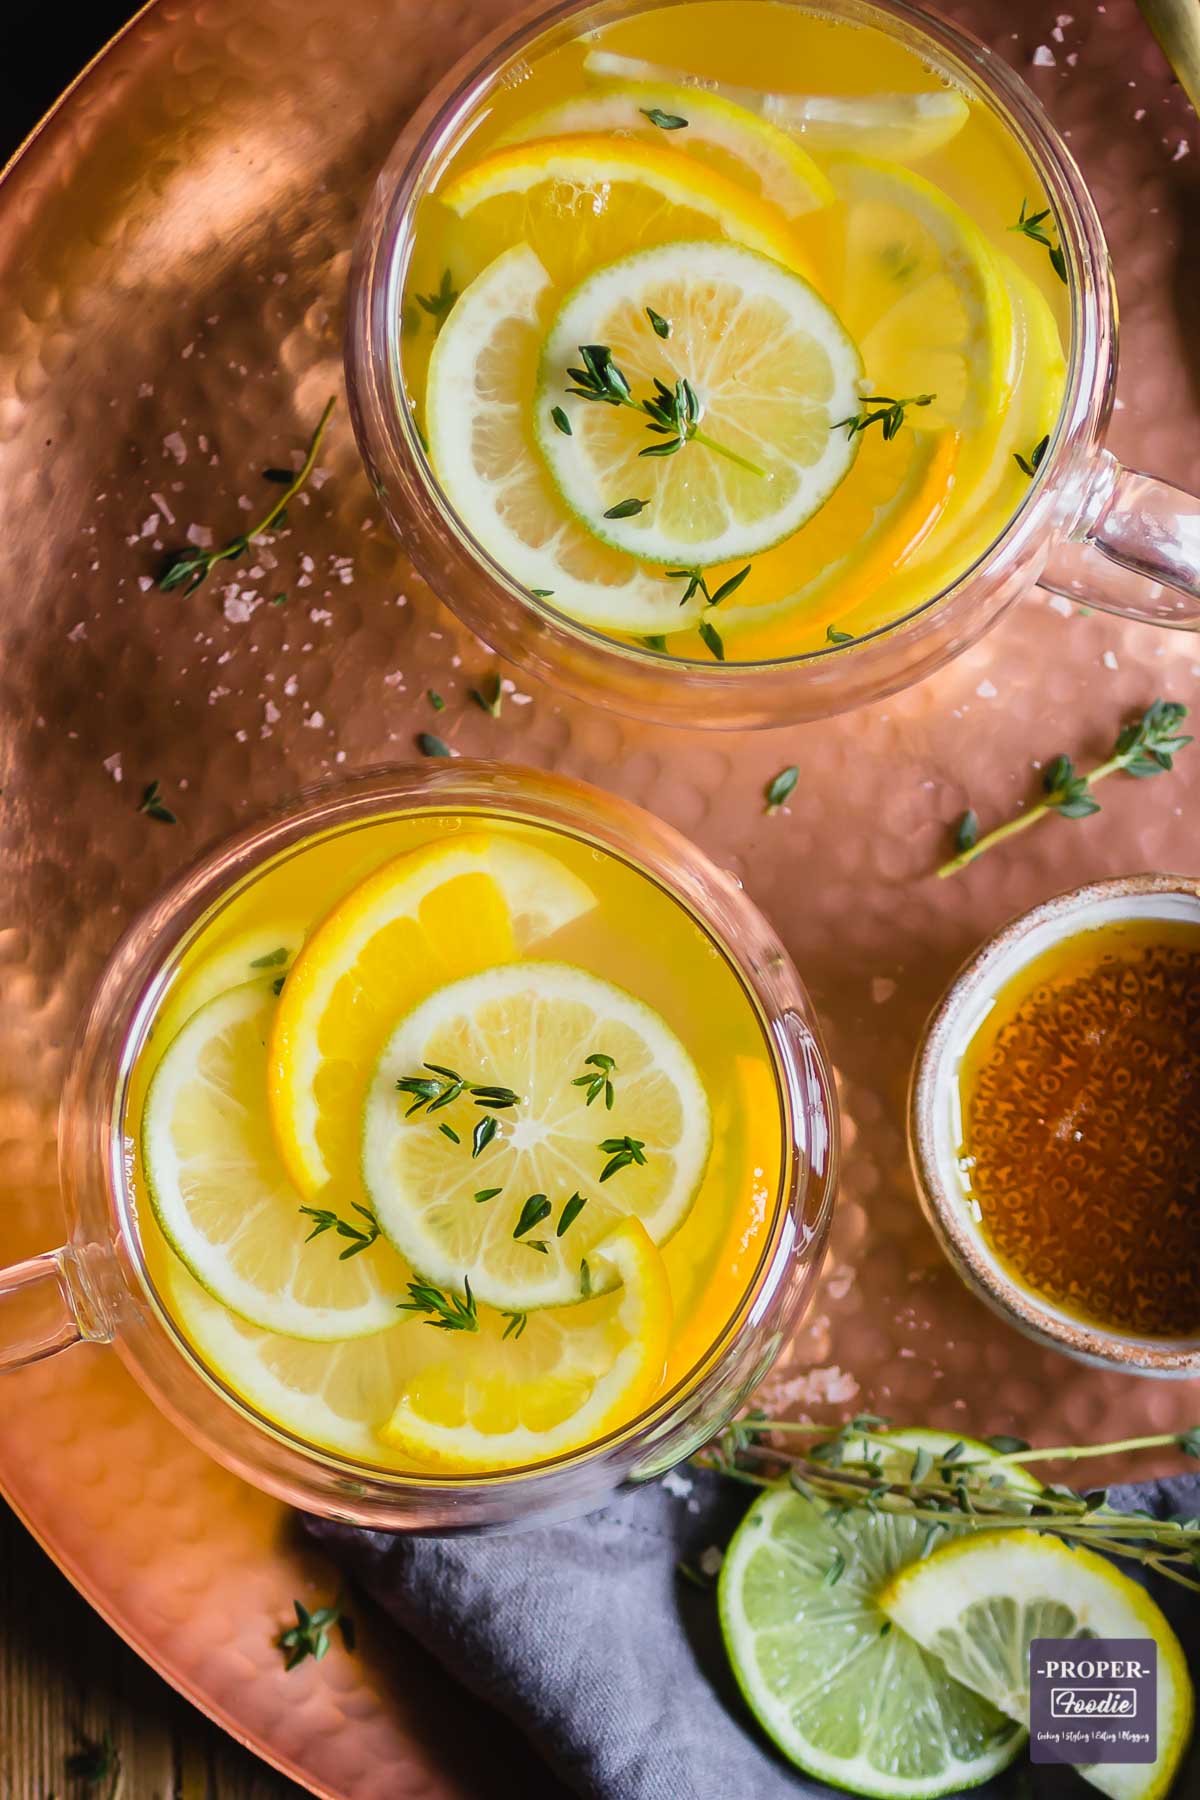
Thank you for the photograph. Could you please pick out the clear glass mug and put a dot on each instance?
(97, 1288)
(1089, 528)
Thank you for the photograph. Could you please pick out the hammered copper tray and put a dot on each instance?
(174, 246)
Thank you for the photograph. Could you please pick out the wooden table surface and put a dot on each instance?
(66, 1678)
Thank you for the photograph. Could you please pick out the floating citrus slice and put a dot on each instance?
(521, 1390)
(900, 127)
(455, 906)
(730, 138)
(223, 1198)
(771, 372)
(506, 1212)
(978, 1603)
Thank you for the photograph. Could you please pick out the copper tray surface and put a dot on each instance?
(174, 245)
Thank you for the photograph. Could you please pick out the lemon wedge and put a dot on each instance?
(224, 1200)
(540, 1386)
(728, 137)
(518, 1213)
(900, 127)
(452, 907)
(773, 372)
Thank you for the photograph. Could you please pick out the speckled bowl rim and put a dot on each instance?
(958, 1235)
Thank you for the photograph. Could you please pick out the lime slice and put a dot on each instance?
(730, 138)
(534, 1387)
(530, 1027)
(900, 127)
(922, 295)
(977, 1604)
(773, 371)
(843, 1695)
(479, 423)
(223, 1198)
(452, 907)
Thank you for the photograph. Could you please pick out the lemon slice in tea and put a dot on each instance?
(224, 1200)
(515, 1197)
(768, 371)
(521, 1389)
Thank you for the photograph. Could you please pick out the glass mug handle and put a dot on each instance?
(1135, 550)
(37, 1310)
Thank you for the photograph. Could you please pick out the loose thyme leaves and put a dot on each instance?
(1033, 225)
(323, 1220)
(1144, 748)
(674, 413)
(442, 1086)
(483, 1134)
(187, 569)
(535, 1209)
(154, 807)
(656, 641)
(597, 1078)
(1029, 465)
(834, 636)
(439, 304)
(309, 1636)
(515, 1324)
(450, 1312)
(436, 701)
(662, 327)
(780, 786)
(429, 745)
(272, 959)
(561, 420)
(664, 120)
(490, 697)
(486, 1194)
(889, 414)
(449, 1131)
(585, 1281)
(569, 1214)
(697, 584)
(621, 1151)
(626, 509)
(710, 637)
(95, 1761)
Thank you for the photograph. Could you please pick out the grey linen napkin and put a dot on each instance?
(611, 1664)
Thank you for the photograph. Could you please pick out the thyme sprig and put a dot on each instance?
(154, 806)
(598, 1071)
(442, 1086)
(309, 1636)
(621, 1152)
(324, 1220)
(889, 414)
(450, 1312)
(1033, 225)
(697, 584)
(857, 1467)
(674, 413)
(1145, 747)
(1029, 465)
(188, 569)
(440, 303)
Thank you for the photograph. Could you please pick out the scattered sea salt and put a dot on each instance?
(77, 632)
(1109, 660)
(986, 690)
(201, 536)
(174, 445)
(1182, 149)
(113, 765)
(1044, 57)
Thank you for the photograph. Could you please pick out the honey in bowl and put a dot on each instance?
(1080, 1107)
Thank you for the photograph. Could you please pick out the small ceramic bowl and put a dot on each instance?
(934, 1122)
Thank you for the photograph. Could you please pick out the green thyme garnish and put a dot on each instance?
(834, 636)
(585, 1281)
(597, 1078)
(277, 985)
(515, 1324)
(1146, 747)
(272, 959)
(439, 304)
(490, 697)
(309, 1636)
(486, 1194)
(542, 593)
(627, 509)
(662, 327)
(780, 786)
(450, 1311)
(436, 701)
(187, 569)
(696, 584)
(429, 745)
(360, 1240)
(442, 1086)
(889, 414)
(1029, 465)
(569, 1214)
(561, 420)
(535, 1209)
(674, 413)
(154, 806)
(710, 637)
(656, 641)
(449, 1131)
(483, 1134)
(95, 1761)
(664, 120)
(621, 1151)
(1033, 225)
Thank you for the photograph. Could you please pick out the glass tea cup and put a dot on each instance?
(99, 1287)
(1089, 528)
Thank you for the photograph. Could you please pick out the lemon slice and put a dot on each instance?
(730, 138)
(223, 1198)
(479, 424)
(773, 371)
(260, 953)
(582, 202)
(547, 1384)
(530, 1027)
(445, 910)
(977, 1603)
(922, 296)
(900, 127)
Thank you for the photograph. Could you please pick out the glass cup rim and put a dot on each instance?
(1061, 916)
(483, 787)
(419, 157)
